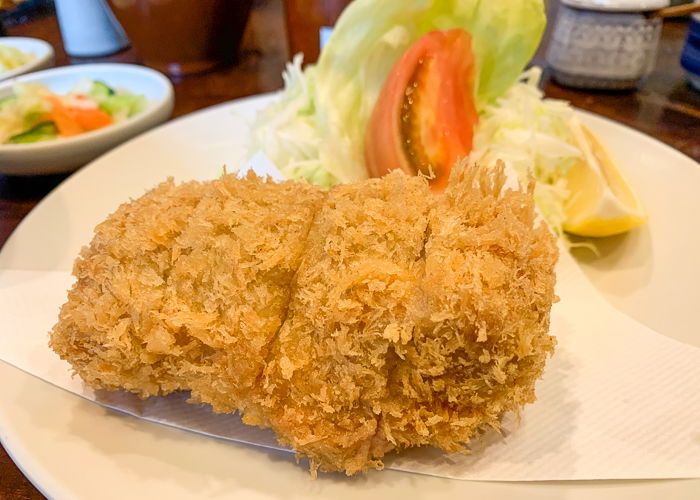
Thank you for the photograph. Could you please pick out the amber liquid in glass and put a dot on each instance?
(304, 19)
(182, 37)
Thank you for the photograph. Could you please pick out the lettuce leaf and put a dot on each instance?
(316, 128)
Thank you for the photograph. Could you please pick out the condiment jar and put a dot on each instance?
(604, 44)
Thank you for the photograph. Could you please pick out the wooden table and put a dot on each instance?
(664, 107)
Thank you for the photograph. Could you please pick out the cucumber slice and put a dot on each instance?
(123, 105)
(42, 132)
(101, 90)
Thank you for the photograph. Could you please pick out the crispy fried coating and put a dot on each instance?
(416, 320)
(480, 338)
(375, 317)
(180, 280)
(353, 302)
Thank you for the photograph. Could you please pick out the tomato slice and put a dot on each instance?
(424, 118)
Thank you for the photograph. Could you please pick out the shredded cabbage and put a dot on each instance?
(531, 135)
(315, 130)
(286, 129)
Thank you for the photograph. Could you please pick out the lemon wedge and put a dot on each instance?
(601, 201)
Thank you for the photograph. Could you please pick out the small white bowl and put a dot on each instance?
(66, 154)
(42, 52)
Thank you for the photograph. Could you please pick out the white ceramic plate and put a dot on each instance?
(42, 55)
(65, 154)
(71, 448)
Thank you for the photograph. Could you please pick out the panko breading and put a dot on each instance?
(354, 301)
(371, 318)
(480, 338)
(178, 281)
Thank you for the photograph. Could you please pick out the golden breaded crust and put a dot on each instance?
(372, 318)
(328, 370)
(482, 340)
(416, 320)
(179, 279)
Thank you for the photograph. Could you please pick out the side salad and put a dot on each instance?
(34, 113)
(419, 84)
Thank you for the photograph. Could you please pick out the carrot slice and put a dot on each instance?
(91, 119)
(73, 121)
(61, 116)
(424, 118)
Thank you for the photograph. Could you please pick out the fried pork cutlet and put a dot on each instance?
(179, 281)
(373, 318)
(354, 300)
(416, 320)
(480, 338)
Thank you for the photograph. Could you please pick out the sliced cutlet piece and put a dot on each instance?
(247, 240)
(327, 371)
(488, 290)
(179, 280)
(109, 330)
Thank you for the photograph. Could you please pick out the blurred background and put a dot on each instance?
(662, 103)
